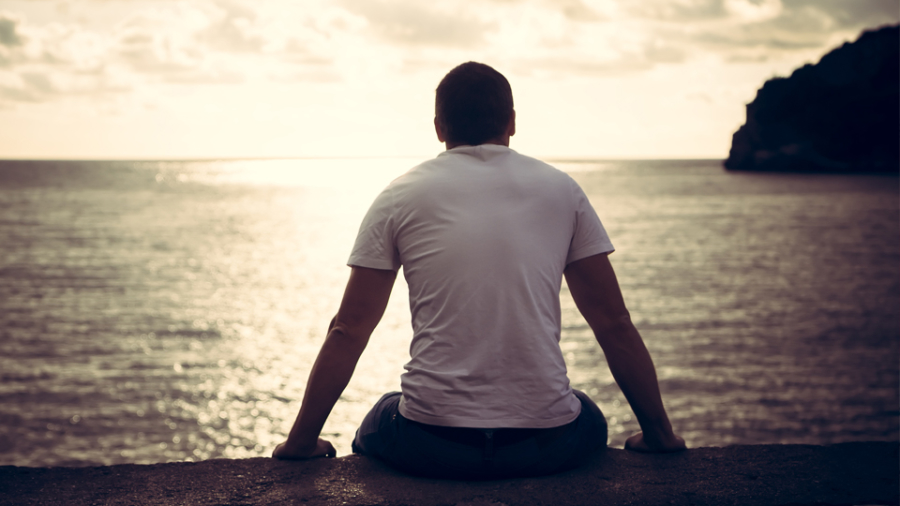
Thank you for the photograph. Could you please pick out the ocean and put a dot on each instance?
(158, 311)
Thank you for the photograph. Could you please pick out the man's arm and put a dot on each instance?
(365, 299)
(594, 287)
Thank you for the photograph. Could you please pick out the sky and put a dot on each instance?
(166, 79)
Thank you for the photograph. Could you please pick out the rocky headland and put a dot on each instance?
(764, 475)
(841, 115)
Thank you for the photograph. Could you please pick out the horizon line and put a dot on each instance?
(563, 159)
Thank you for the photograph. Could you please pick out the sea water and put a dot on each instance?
(166, 311)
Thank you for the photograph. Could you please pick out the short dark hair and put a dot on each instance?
(473, 104)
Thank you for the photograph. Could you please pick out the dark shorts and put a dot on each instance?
(472, 454)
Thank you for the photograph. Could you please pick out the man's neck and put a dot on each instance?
(501, 141)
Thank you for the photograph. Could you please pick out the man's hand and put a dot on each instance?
(322, 449)
(595, 289)
(639, 443)
(365, 298)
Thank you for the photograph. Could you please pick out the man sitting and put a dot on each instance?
(484, 236)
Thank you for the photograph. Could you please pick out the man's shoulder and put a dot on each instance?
(493, 154)
(544, 171)
(470, 163)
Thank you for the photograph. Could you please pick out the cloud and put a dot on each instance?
(568, 66)
(169, 43)
(751, 11)
(147, 51)
(8, 35)
(626, 37)
(409, 22)
(575, 10)
(201, 42)
(816, 20)
(640, 57)
(757, 30)
(16, 88)
(41, 85)
(179, 44)
(44, 62)
(677, 10)
(539, 38)
(227, 42)
(842, 14)
(853, 15)
(10, 39)
(38, 82)
(234, 30)
(760, 37)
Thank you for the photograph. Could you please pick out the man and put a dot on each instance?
(484, 236)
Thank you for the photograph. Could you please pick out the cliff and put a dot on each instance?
(848, 473)
(840, 115)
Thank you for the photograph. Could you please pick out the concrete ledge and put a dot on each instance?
(846, 474)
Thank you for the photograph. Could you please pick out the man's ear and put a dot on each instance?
(511, 127)
(438, 130)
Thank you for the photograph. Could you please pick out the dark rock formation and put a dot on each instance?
(840, 115)
(763, 475)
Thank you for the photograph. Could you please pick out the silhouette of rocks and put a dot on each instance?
(840, 115)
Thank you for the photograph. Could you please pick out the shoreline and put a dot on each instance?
(845, 473)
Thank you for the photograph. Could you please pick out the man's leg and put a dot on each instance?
(591, 432)
(378, 430)
(559, 449)
(406, 445)
(385, 434)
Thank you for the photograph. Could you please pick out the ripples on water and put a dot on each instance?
(158, 311)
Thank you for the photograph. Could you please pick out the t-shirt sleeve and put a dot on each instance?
(589, 237)
(374, 246)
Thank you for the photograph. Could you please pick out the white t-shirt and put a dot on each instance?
(483, 235)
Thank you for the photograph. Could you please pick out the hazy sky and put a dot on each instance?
(590, 78)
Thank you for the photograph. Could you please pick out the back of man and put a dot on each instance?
(483, 235)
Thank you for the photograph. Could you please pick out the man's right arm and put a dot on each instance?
(595, 289)
(364, 302)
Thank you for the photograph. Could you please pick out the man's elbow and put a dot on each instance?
(612, 322)
(348, 335)
(613, 329)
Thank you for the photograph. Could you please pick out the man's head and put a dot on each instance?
(473, 105)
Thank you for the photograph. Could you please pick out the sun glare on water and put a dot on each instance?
(330, 173)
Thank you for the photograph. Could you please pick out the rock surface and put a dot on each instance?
(848, 473)
(840, 115)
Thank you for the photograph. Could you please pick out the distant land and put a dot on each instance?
(841, 115)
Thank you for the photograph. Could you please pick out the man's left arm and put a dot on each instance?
(362, 307)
